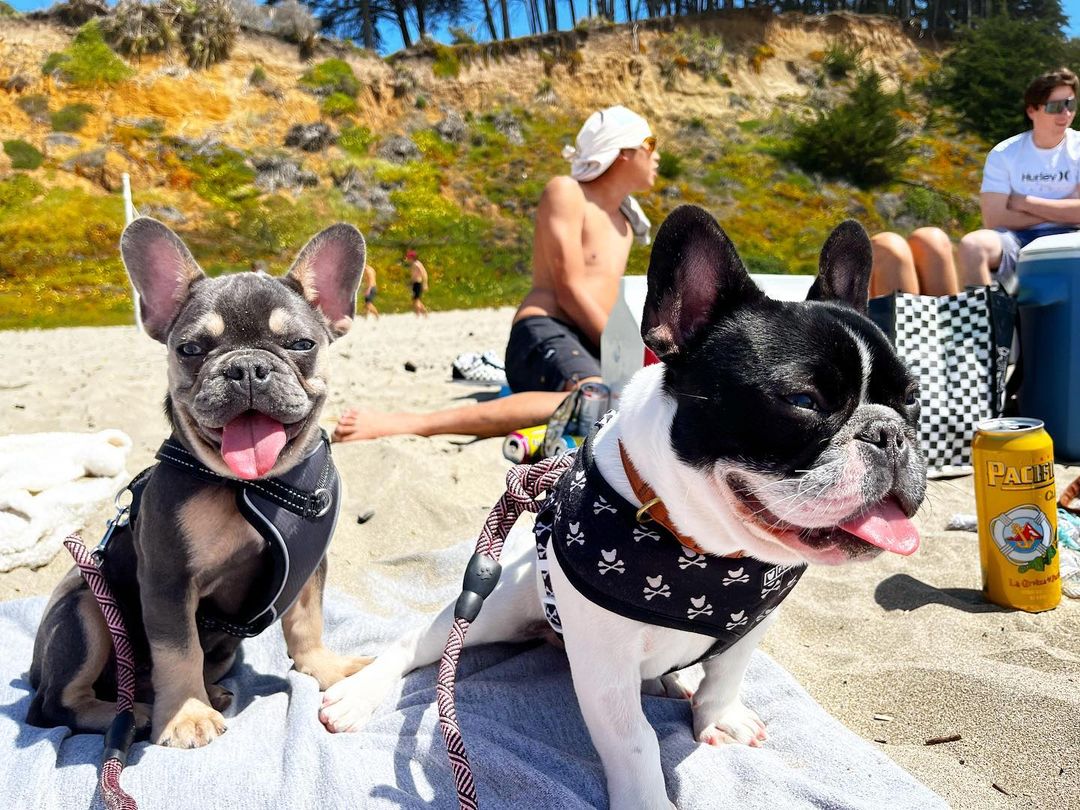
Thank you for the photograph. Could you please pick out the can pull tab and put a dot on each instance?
(481, 576)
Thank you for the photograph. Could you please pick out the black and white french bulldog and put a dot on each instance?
(247, 379)
(774, 434)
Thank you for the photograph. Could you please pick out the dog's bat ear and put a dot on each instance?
(162, 270)
(694, 276)
(844, 267)
(327, 272)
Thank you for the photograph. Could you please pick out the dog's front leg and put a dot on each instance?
(182, 715)
(303, 628)
(607, 681)
(719, 714)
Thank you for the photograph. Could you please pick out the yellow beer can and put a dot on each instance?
(526, 445)
(1016, 501)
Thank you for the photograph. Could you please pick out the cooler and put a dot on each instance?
(1048, 276)
(621, 349)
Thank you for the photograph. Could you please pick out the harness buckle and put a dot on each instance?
(321, 501)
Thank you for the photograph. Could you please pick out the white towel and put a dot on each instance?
(639, 223)
(50, 484)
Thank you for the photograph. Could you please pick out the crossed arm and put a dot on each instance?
(1018, 211)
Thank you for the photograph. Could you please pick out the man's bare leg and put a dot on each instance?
(933, 254)
(980, 252)
(894, 266)
(496, 417)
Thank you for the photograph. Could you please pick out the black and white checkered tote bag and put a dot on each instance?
(958, 348)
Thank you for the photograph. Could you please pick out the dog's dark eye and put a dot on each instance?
(302, 345)
(189, 349)
(912, 397)
(802, 400)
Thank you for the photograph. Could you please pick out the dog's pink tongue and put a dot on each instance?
(250, 444)
(887, 527)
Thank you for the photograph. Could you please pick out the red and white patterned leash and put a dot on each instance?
(120, 734)
(524, 485)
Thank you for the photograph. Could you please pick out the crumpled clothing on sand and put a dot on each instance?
(50, 484)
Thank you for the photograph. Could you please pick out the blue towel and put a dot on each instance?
(527, 741)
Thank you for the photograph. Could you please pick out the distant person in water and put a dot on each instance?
(367, 285)
(419, 278)
(585, 225)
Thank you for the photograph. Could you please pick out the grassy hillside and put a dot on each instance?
(445, 151)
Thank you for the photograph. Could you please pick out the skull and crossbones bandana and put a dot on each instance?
(641, 571)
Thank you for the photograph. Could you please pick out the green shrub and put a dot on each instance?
(332, 76)
(23, 155)
(70, 118)
(35, 105)
(222, 177)
(17, 191)
(985, 76)
(258, 75)
(206, 29)
(356, 140)
(461, 36)
(840, 60)
(446, 64)
(135, 28)
(671, 165)
(7, 11)
(420, 102)
(338, 104)
(860, 140)
(87, 61)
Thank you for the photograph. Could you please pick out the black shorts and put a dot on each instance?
(417, 289)
(370, 296)
(545, 354)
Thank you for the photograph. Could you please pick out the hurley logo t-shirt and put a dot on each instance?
(1017, 165)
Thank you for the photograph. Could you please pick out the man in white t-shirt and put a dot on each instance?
(1031, 184)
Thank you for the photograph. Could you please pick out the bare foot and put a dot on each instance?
(355, 425)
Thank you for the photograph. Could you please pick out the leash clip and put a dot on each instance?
(119, 520)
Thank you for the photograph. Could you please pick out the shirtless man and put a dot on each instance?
(419, 278)
(585, 226)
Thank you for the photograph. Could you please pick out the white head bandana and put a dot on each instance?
(604, 134)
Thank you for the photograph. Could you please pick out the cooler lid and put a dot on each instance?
(1058, 246)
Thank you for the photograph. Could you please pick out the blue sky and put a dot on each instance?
(520, 26)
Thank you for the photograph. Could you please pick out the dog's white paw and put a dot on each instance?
(350, 703)
(735, 724)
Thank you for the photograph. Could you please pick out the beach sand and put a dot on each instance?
(906, 639)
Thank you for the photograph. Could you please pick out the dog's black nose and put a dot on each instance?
(247, 368)
(887, 435)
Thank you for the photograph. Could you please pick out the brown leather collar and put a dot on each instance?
(652, 508)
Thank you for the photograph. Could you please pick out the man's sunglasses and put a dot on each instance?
(649, 144)
(1060, 106)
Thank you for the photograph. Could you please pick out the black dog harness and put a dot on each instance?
(295, 514)
(643, 572)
